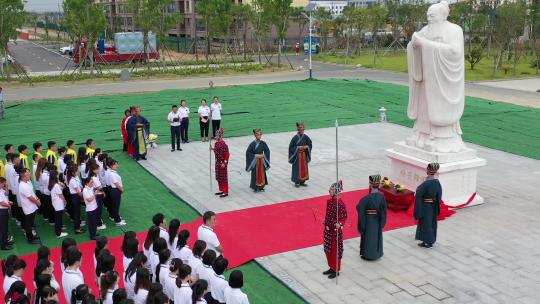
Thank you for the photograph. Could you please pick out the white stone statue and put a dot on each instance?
(435, 58)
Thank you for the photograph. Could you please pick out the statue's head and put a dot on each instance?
(437, 13)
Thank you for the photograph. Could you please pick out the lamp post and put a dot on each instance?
(310, 8)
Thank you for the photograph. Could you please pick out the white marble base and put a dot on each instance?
(457, 173)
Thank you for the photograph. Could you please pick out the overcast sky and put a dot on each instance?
(43, 5)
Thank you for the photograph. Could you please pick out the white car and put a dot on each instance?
(67, 50)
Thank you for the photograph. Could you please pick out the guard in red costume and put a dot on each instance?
(127, 147)
(221, 151)
(333, 230)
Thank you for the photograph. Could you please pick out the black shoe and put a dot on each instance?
(224, 195)
(333, 275)
(329, 271)
(425, 245)
(218, 193)
(297, 185)
(143, 157)
(7, 247)
(33, 241)
(179, 149)
(303, 185)
(187, 141)
(172, 150)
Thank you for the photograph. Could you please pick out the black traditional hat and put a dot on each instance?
(433, 167)
(375, 179)
(255, 131)
(338, 187)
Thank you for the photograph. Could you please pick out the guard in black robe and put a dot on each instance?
(138, 129)
(371, 220)
(258, 161)
(299, 156)
(427, 207)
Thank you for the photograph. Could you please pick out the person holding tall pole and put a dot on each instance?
(336, 215)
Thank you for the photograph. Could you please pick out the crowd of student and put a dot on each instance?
(65, 179)
(165, 271)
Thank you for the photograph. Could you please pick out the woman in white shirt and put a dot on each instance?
(182, 250)
(169, 283)
(109, 283)
(130, 248)
(233, 293)
(44, 266)
(75, 190)
(162, 270)
(215, 110)
(204, 122)
(83, 170)
(100, 194)
(58, 203)
(130, 275)
(142, 286)
(196, 259)
(159, 245)
(48, 211)
(117, 188)
(200, 289)
(41, 164)
(89, 195)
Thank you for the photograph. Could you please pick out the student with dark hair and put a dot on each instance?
(5, 205)
(100, 194)
(82, 295)
(117, 188)
(83, 166)
(16, 293)
(90, 147)
(159, 220)
(67, 244)
(218, 284)
(151, 237)
(162, 270)
(142, 286)
(51, 154)
(215, 111)
(156, 295)
(41, 281)
(61, 160)
(12, 178)
(204, 112)
(23, 155)
(89, 195)
(43, 253)
(174, 225)
(233, 293)
(38, 149)
(46, 206)
(72, 276)
(206, 233)
(29, 203)
(108, 284)
(129, 249)
(159, 245)
(75, 190)
(182, 250)
(101, 243)
(44, 266)
(14, 273)
(119, 296)
(105, 263)
(58, 203)
(50, 295)
(175, 118)
(9, 148)
(7, 264)
(70, 144)
(139, 261)
(206, 272)
(183, 292)
(196, 259)
(169, 283)
(200, 289)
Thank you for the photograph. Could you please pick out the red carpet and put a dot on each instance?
(246, 234)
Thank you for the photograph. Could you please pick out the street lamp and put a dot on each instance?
(310, 8)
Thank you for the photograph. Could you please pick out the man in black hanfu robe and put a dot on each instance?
(427, 207)
(371, 220)
(258, 161)
(299, 156)
(138, 129)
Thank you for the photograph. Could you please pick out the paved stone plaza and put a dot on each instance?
(484, 254)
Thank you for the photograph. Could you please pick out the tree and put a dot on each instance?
(242, 13)
(11, 18)
(261, 21)
(281, 11)
(376, 18)
(32, 20)
(359, 22)
(323, 20)
(474, 56)
(221, 21)
(298, 15)
(510, 22)
(46, 23)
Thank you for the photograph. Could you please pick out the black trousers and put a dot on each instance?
(48, 209)
(4, 217)
(215, 126)
(76, 211)
(116, 198)
(175, 137)
(204, 126)
(16, 211)
(58, 221)
(184, 126)
(29, 224)
(99, 200)
(92, 223)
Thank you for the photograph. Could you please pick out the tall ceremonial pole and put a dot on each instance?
(337, 203)
(210, 166)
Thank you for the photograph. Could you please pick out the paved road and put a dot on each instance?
(37, 58)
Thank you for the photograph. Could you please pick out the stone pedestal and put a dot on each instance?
(457, 173)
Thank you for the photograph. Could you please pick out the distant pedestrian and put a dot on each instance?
(297, 49)
(1, 104)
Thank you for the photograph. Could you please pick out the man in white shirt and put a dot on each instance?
(175, 119)
(159, 220)
(5, 205)
(206, 233)
(218, 283)
(215, 110)
(29, 203)
(184, 112)
(72, 275)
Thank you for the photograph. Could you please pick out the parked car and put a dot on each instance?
(9, 59)
(67, 50)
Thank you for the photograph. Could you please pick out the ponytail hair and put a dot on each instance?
(198, 290)
(164, 256)
(107, 281)
(174, 225)
(183, 237)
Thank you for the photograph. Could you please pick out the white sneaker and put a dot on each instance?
(102, 227)
(63, 234)
(83, 223)
(121, 223)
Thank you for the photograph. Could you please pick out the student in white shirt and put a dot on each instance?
(83, 169)
(159, 245)
(162, 270)
(175, 118)
(130, 274)
(200, 289)
(12, 178)
(109, 283)
(218, 284)
(183, 292)
(182, 250)
(29, 203)
(117, 188)
(100, 194)
(215, 110)
(46, 267)
(17, 293)
(72, 276)
(5, 205)
(205, 271)
(14, 274)
(184, 126)
(142, 286)
(151, 236)
(233, 293)
(195, 262)
(48, 210)
(75, 191)
(61, 162)
(58, 203)
(89, 196)
(159, 220)
(130, 248)
(204, 122)
(207, 234)
(169, 284)
(172, 241)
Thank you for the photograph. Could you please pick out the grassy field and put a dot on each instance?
(397, 62)
(272, 107)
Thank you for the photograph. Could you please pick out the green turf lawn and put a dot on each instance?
(272, 107)
(397, 62)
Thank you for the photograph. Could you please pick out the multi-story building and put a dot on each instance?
(334, 6)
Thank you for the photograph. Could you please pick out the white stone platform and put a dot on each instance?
(484, 254)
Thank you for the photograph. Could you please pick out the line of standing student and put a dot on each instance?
(62, 180)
